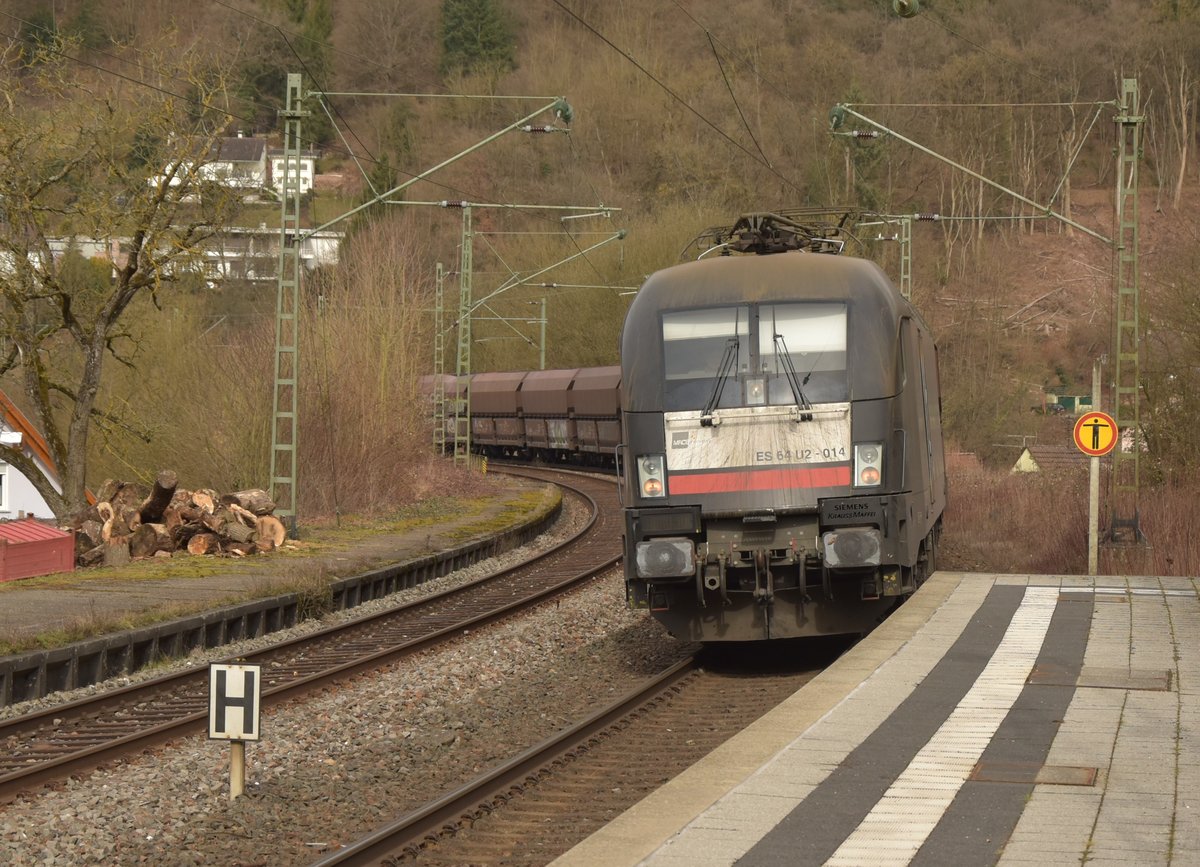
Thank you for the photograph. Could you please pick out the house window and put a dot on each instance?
(3, 487)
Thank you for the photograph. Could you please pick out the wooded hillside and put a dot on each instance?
(685, 114)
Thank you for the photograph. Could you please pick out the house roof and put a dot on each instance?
(1052, 458)
(28, 530)
(32, 438)
(239, 149)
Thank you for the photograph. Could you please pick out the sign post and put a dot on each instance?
(234, 704)
(1095, 434)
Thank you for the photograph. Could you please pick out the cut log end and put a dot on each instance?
(270, 527)
(203, 543)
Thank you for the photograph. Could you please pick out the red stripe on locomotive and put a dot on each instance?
(837, 475)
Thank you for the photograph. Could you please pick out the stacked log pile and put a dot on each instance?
(129, 522)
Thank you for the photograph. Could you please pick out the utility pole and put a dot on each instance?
(467, 306)
(284, 422)
(462, 413)
(439, 363)
(542, 342)
(904, 238)
(284, 419)
(1125, 526)
(1125, 523)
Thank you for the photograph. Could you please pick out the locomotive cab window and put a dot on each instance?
(751, 355)
(697, 346)
(810, 339)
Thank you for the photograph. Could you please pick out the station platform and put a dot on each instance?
(993, 719)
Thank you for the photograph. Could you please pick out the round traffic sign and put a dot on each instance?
(1095, 433)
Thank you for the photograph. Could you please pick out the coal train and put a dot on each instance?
(776, 426)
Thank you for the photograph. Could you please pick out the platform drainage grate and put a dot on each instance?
(1102, 678)
(1032, 773)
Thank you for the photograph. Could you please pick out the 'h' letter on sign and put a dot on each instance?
(234, 700)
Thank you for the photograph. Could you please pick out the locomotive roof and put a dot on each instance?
(876, 308)
(795, 276)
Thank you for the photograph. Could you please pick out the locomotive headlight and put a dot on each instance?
(756, 391)
(868, 464)
(851, 546)
(666, 558)
(650, 475)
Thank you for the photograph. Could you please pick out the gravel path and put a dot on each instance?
(333, 767)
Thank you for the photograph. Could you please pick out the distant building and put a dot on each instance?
(307, 170)
(1070, 404)
(1050, 459)
(239, 162)
(244, 253)
(236, 162)
(237, 253)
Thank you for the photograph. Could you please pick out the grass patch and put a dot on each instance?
(326, 551)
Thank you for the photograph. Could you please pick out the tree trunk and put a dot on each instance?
(116, 551)
(154, 505)
(202, 543)
(116, 530)
(255, 500)
(149, 539)
(91, 533)
(108, 490)
(215, 523)
(238, 532)
(94, 557)
(244, 515)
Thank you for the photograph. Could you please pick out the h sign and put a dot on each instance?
(234, 699)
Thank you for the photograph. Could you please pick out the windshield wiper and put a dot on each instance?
(727, 362)
(789, 369)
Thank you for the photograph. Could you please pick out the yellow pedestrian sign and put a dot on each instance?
(1095, 433)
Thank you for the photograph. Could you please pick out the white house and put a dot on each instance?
(245, 163)
(18, 497)
(236, 253)
(238, 162)
(307, 169)
(252, 254)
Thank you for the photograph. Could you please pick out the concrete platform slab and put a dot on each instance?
(872, 761)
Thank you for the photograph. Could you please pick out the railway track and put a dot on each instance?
(534, 807)
(69, 738)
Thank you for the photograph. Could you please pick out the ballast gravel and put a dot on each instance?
(333, 767)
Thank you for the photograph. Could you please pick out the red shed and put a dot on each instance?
(29, 547)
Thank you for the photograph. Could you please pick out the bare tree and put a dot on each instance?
(110, 161)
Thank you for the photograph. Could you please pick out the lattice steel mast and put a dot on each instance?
(1126, 380)
(284, 430)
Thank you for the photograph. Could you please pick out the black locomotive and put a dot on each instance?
(782, 454)
(776, 422)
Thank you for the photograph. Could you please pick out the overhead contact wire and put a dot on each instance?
(755, 157)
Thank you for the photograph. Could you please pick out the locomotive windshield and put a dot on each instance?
(782, 354)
